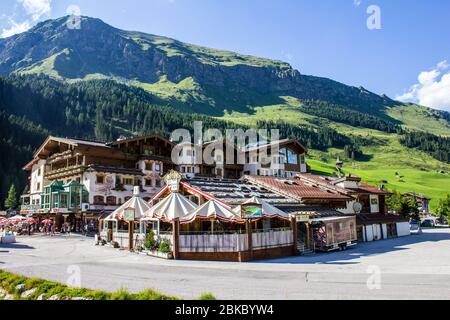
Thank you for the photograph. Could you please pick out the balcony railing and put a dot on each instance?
(69, 171)
(30, 207)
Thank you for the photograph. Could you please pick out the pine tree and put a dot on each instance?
(11, 200)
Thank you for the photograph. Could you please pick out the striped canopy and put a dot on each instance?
(212, 210)
(173, 207)
(139, 205)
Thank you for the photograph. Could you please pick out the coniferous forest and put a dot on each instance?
(33, 107)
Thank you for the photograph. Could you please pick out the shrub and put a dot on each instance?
(9, 281)
(207, 297)
(164, 247)
(150, 242)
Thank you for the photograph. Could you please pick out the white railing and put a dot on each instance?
(272, 239)
(30, 207)
(213, 243)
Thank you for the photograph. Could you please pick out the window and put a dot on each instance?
(100, 179)
(111, 201)
(38, 187)
(302, 159)
(157, 167)
(39, 172)
(292, 157)
(99, 200)
(148, 166)
(128, 181)
(148, 182)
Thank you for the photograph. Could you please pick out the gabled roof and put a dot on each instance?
(67, 141)
(331, 184)
(138, 138)
(298, 189)
(280, 143)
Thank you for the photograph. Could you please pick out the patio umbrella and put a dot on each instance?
(212, 210)
(31, 221)
(173, 207)
(17, 218)
(47, 221)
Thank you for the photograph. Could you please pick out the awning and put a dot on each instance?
(212, 210)
(175, 206)
(139, 205)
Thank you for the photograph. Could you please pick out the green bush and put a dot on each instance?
(164, 247)
(150, 242)
(207, 297)
(9, 281)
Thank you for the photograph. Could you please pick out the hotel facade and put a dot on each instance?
(82, 182)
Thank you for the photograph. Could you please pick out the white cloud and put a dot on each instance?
(433, 88)
(36, 8)
(15, 28)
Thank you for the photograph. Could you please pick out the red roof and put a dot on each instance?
(327, 182)
(299, 188)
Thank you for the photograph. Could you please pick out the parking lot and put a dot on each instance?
(416, 267)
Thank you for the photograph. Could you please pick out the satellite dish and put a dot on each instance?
(357, 207)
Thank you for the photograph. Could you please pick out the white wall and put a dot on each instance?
(403, 229)
(369, 233)
(374, 208)
(384, 226)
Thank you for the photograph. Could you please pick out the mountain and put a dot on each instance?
(198, 78)
(99, 82)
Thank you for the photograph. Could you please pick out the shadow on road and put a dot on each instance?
(352, 255)
(16, 246)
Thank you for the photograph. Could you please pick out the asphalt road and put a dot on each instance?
(416, 267)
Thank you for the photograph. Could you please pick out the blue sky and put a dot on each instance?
(327, 38)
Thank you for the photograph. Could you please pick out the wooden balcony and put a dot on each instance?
(65, 172)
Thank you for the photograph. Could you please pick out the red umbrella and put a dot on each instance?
(31, 220)
(47, 221)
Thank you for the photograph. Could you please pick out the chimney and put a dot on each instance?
(136, 191)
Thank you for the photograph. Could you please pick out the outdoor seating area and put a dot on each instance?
(210, 231)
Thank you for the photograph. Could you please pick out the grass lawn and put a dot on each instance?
(9, 283)
(384, 157)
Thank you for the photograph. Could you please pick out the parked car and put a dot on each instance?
(428, 223)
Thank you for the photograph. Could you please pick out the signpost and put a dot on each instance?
(172, 180)
(129, 216)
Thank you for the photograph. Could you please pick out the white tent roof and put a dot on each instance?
(268, 210)
(212, 210)
(173, 207)
(138, 204)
